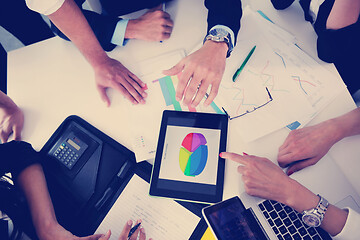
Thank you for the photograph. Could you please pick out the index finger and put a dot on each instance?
(234, 157)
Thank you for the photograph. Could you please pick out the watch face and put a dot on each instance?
(311, 220)
(219, 33)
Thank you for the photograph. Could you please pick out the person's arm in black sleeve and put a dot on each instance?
(227, 13)
(16, 156)
(338, 29)
(281, 4)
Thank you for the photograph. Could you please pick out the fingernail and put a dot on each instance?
(129, 222)
(142, 101)
(144, 94)
(142, 230)
(144, 86)
(220, 155)
(245, 154)
(138, 221)
(178, 98)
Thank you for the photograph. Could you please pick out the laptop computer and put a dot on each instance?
(282, 222)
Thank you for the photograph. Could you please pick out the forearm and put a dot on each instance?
(343, 13)
(70, 20)
(348, 124)
(33, 183)
(302, 199)
(6, 102)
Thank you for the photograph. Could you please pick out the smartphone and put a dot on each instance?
(230, 220)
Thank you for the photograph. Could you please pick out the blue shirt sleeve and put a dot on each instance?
(118, 37)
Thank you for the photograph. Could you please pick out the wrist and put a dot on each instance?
(337, 129)
(299, 197)
(220, 48)
(131, 31)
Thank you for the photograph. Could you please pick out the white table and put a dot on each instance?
(51, 80)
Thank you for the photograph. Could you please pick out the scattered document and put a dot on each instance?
(299, 86)
(162, 218)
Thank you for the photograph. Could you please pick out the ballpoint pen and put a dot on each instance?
(133, 229)
(236, 74)
(163, 9)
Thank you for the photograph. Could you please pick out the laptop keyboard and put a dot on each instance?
(287, 223)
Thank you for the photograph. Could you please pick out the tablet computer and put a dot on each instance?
(187, 164)
(230, 220)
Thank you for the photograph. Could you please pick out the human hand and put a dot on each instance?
(201, 69)
(125, 232)
(261, 177)
(154, 25)
(110, 73)
(11, 121)
(305, 147)
(57, 232)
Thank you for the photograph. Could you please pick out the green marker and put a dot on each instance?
(236, 74)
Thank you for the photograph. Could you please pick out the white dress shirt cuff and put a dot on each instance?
(45, 7)
(351, 229)
(118, 37)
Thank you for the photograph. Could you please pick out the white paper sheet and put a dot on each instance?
(161, 218)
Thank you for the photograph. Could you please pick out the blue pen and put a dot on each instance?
(133, 229)
(163, 8)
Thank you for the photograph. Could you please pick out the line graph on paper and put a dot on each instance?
(306, 74)
(249, 90)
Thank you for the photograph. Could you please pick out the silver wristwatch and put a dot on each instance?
(314, 217)
(221, 35)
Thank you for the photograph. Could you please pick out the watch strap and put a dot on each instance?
(319, 210)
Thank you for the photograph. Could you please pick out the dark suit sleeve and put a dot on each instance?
(102, 26)
(224, 12)
(281, 4)
(16, 156)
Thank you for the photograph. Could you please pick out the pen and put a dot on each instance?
(236, 74)
(133, 229)
(110, 190)
(163, 9)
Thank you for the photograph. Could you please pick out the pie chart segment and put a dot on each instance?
(197, 140)
(184, 158)
(198, 160)
(193, 154)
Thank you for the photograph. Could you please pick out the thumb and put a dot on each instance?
(175, 69)
(103, 95)
(106, 237)
(297, 166)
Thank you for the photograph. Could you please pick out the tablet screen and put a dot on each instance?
(187, 163)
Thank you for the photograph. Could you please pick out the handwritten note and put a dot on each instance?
(161, 218)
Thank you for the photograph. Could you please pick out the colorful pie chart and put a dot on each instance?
(193, 154)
